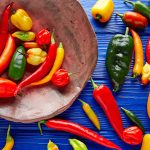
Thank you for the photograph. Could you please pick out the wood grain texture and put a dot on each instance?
(133, 96)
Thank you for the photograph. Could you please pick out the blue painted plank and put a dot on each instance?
(132, 96)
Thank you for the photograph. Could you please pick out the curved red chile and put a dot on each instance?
(148, 51)
(133, 135)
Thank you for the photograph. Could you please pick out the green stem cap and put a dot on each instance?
(95, 86)
(8, 138)
(127, 31)
(52, 38)
(60, 45)
(39, 126)
(98, 16)
(130, 2)
(120, 15)
(83, 103)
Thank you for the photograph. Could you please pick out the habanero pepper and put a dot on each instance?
(148, 52)
(43, 69)
(52, 146)
(4, 23)
(140, 7)
(7, 53)
(76, 129)
(134, 20)
(146, 142)
(118, 59)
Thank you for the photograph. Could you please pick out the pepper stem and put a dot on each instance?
(70, 74)
(130, 2)
(60, 45)
(93, 84)
(98, 16)
(120, 15)
(127, 31)
(52, 38)
(8, 138)
(82, 101)
(39, 126)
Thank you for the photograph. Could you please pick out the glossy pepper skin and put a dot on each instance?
(4, 23)
(21, 20)
(102, 10)
(61, 78)
(7, 54)
(29, 45)
(146, 142)
(140, 7)
(17, 65)
(118, 59)
(7, 88)
(148, 105)
(148, 52)
(145, 74)
(52, 146)
(9, 141)
(77, 145)
(76, 129)
(134, 20)
(24, 36)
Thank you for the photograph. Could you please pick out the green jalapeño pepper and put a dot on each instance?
(119, 55)
(18, 64)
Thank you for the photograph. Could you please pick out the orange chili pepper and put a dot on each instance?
(148, 105)
(139, 54)
(52, 146)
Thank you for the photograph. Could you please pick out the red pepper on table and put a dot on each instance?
(43, 37)
(7, 88)
(4, 26)
(60, 78)
(43, 69)
(148, 52)
(67, 126)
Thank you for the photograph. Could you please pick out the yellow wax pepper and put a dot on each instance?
(52, 146)
(90, 113)
(146, 74)
(57, 64)
(36, 56)
(146, 142)
(21, 20)
(148, 106)
(9, 141)
(102, 10)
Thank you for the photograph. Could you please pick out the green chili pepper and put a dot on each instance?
(77, 145)
(118, 59)
(52, 146)
(140, 7)
(24, 36)
(133, 118)
(18, 64)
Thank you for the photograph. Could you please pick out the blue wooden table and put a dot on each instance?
(132, 96)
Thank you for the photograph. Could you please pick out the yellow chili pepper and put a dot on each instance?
(90, 113)
(21, 20)
(57, 64)
(36, 56)
(9, 141)
(146, 74)
(148, 106)
(52, 146)
(146, 142)
(102, 10)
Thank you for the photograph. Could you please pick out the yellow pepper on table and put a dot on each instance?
(21, 20)
(102, 10)
(146, 142)
(36, 56)
(146, 74)
(148, 106)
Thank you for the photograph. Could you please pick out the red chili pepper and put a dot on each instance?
(133, 135)
(60, 78)
(106, 100)
(7, 54)
(43, 37)
(134, 20)
(7, 88)
(148, 51)
(4, 26)
(43, 69)
(78, 130)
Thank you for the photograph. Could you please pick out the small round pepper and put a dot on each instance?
(145, 74)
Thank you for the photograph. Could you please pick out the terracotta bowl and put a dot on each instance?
(71, 26)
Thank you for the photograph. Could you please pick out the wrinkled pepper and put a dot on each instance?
(102, 10)
(133, 118)
(90, 113)
(76, 129)
(17, 65)
(52, 146)
(118, 59)
(148, 106)
(77, 145)
(140, 7)
(139, 54)
(36, 56)
(9, 141)
(4, 23)
(7, 54)
(146, 142)
(29, 45)
(21, 20)
(134, 20)
(61, 78)
(148, 51)
(57, 64)
(24, 36)
(145, 74)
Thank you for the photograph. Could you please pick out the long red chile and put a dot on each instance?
(148, 52)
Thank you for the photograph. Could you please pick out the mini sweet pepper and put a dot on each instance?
(146, 74)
